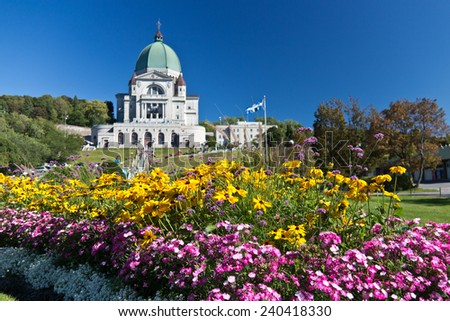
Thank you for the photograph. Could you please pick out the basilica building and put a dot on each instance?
(156, 111)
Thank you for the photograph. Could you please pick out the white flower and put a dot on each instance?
(231, 279)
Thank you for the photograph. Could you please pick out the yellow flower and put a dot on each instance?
(374, 187)
(278, 234)
(292, 164)
(342, 206)
(316, 172)
(220, 196)
(155, 208)
(159, 175)
(231, 189)
(380, 179)
(241, 192)
(332, 191)
(325, 204)
(186, 186)
(294, 235)
(148, 237)
(260, 204)
(298, 229)
(397, 170)
(233, 199)
(392, 195)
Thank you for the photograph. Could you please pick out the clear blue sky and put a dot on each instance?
(298, 53)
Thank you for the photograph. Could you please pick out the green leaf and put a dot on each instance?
(210, 227)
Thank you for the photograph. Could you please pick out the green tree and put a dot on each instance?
(270, 120)
(110, 107)
(412, 130)
(207, 125)
(77, 117)
(357, 122)
(95, 111)
(232, 120)
(18, 122)
(274, 136)
(27, 106)
(330, 128)
(290, 126)
(26, 141)
(63, 108)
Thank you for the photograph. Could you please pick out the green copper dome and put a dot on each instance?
(158, 55)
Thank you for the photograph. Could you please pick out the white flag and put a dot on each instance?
(254, 107)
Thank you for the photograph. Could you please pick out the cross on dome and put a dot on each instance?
(158, 35)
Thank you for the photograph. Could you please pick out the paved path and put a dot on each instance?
(442, 187)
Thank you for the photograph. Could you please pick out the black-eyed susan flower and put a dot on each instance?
(260, 204)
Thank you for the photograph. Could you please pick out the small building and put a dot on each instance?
(442, 171)
(243, 134)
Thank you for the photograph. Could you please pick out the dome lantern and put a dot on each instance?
(158, 56)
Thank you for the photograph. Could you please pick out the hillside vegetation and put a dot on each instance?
(29, 132)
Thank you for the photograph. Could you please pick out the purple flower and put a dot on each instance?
(304, 129)
(311, 140)
(329, 238)
(321, 211)
(376, 228)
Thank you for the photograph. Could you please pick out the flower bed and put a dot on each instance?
(221, 231)
(80, 282)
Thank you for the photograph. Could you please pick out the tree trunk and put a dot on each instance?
(421, 167)
(419, 180)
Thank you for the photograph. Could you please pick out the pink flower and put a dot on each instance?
(231, 279)
(376, 228)
(237, 256)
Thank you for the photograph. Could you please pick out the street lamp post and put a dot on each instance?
(65, 125)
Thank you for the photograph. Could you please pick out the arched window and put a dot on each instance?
(134, 138)
(120, 138)
(175, 141)
(155, 90)
(148, 139)
(161, 139)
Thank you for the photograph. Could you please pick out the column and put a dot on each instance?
(126, 110)
(138, 109)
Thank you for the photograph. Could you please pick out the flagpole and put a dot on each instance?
(265, 128)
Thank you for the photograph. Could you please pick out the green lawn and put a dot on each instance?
(427, 208)
(102, 154)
